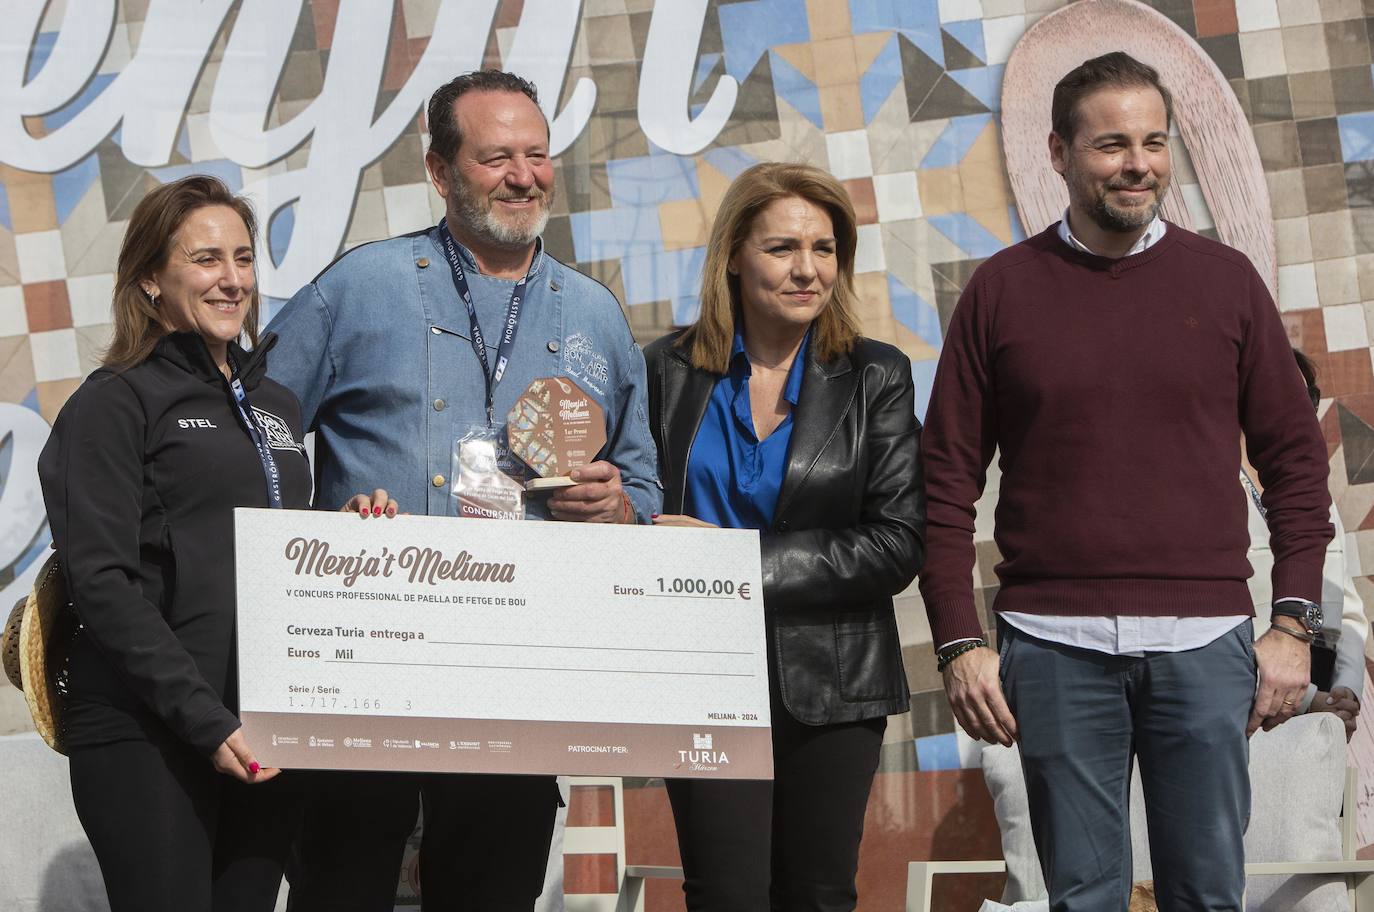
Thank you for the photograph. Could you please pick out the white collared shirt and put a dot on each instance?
(1153, 232)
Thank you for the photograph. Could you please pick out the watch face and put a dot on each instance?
(1312, 618)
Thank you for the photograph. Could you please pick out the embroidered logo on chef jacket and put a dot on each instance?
(196, 423)
(278, 431)
(582, 361)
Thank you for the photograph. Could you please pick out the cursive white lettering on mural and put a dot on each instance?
(23, 432)
(338, 122)
(665, 82)
(148, 98)
(541, 55)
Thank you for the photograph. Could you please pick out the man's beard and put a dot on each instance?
(479, 217)
(1113, 218)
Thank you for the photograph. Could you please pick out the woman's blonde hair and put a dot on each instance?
(709, 340)
(138, 324)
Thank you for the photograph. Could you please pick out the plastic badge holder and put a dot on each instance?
(480, 489)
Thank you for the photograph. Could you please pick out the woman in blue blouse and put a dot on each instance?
(772, 412)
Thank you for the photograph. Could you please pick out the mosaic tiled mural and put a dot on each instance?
(314, 108)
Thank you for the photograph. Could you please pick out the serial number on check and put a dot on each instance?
(341, 703)
(299, 697)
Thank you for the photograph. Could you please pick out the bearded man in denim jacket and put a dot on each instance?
(379, 349)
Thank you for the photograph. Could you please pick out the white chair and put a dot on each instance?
(632, 891)
(630, 894)
(1301, 826)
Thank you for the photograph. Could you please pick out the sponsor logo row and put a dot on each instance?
(352, 742)
(702, 756)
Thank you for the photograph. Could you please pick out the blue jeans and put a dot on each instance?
(1083, 715)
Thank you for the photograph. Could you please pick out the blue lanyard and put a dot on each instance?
(250, 423)
(479, 345)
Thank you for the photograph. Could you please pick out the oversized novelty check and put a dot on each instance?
(439, 644)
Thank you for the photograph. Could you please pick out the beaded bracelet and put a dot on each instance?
(943, 659)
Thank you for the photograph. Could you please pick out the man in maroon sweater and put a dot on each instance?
(1116, 360)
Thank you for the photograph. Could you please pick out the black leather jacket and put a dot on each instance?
(848, 532)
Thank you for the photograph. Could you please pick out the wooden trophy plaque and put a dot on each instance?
(555, 427)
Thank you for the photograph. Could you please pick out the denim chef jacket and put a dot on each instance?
(378, 350)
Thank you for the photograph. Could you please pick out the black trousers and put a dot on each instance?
(791, 844)
(485, 842)
(173, 835)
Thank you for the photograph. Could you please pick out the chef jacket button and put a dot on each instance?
(438, 481)
(553, 345)
(422, 262)
(438, 405)
(436, 330)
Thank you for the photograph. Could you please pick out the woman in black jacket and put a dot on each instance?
(145, 464)
(772, 412)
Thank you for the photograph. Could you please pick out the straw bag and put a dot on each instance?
(34, 647)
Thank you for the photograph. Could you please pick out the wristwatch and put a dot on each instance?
(1309, 614)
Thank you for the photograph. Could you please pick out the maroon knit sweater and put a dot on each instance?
(1117, 391)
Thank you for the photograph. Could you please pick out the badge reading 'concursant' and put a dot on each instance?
(555, 426)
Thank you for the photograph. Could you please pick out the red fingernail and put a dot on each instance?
(364, 514)
(391, 511)
(653, 516)
(253, 767)
(376, 511)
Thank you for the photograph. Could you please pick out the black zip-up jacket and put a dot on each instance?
(849, 529)
(140, 477)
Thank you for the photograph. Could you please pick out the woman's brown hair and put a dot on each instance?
(138, 323)
(709, 340)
